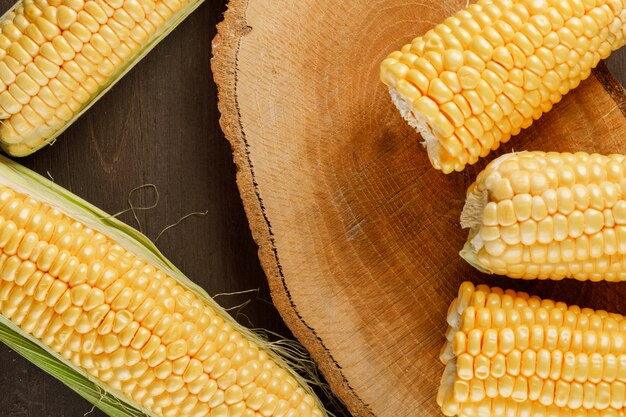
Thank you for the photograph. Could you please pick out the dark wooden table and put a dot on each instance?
(159, 125)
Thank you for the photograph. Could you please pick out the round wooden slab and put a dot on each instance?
(358, 234)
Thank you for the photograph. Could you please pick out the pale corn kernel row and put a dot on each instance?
(550, 216)
(512, 408)
(57, 55)
(129, 324)
(538, 357)
(488, 71)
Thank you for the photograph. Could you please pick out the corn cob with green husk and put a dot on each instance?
(487, 72)
(515, 355)
(57, 57)
(94, 303)
(549, 216)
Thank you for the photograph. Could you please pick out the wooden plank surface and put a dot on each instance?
(159, 125)
(617, 65)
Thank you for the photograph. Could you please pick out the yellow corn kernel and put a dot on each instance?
(549, 216)
(511, 62)
(545, 371)
(129, 324)
(93, 41)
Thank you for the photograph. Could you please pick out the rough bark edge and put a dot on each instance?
(224, 64)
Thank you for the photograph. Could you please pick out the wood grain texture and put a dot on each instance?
(158, 125)
(358, 234)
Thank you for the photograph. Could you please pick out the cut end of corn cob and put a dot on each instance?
(472, 219)
(549, 216)
(490, 70)
(511, 354)
(57, 57)
(418, 122)
(102, 300)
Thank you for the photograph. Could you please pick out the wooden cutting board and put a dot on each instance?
(357, 233)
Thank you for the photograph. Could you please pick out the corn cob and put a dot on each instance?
(102, 300)
(508, 354)
(487, 72)
(58, 56)
(549, 216)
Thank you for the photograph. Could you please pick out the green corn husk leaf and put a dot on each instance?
(290, 356)
(169, 26)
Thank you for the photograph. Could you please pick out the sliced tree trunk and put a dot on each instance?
(358, 234)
